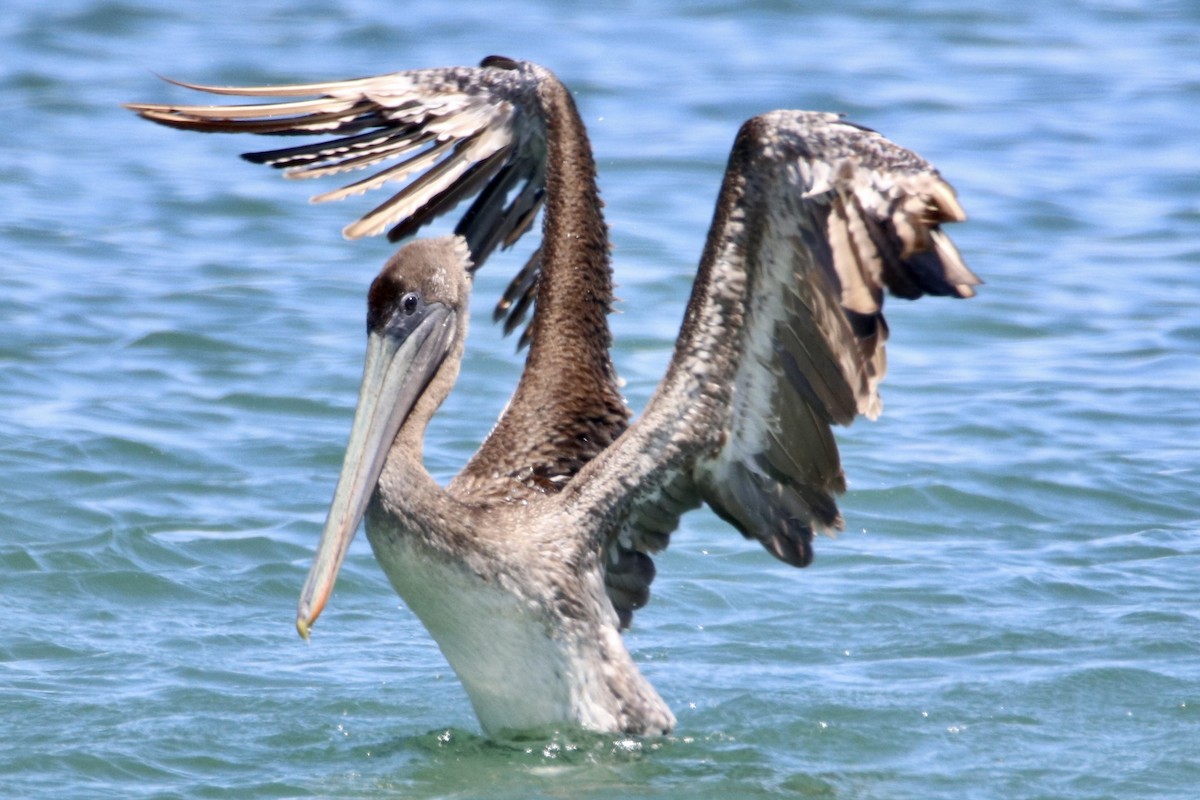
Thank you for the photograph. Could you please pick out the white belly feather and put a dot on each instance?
(518, 674)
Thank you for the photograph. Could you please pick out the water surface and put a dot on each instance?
(1011, 611)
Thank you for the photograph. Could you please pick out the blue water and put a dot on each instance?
(1011, 612)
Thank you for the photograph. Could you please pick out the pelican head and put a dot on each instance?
(416, 318)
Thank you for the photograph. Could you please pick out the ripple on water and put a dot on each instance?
(1008, 614)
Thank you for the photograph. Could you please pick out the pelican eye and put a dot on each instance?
(410, 302)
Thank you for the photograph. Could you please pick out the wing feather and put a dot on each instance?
(318, 159)
(784, 337)
(441, 135)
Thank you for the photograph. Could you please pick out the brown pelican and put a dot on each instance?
(527, 565)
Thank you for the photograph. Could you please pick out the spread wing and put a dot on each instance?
(508, 135)
(783, 337)
(433, 137)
